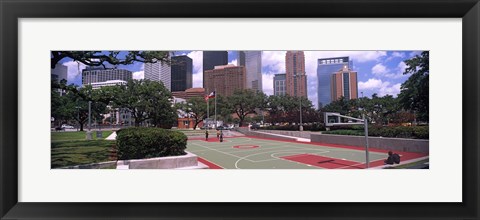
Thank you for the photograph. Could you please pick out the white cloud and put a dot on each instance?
(401, 67)
(234, 62)
(74, 73)
(381, 70)
(380, 87)
(398, 54)
(267, 83)
(274, 60)
(371, 84)
(393, 90)
(197, 80)
(138, 75)
(197, 59)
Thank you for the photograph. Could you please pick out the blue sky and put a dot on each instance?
(378, 71)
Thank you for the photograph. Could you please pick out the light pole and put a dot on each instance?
(300, 127)
(89, 132)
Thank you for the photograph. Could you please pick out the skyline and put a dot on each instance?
(379, 72)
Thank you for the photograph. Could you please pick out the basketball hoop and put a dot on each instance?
(335, 119)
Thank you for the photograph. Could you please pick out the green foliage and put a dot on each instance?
(112, 58)
(306, 127)
(196, 108)
(141, 143)
(74, 104)
(414, 93)
(244, 102)
(146, 100)
(286, 109)
(416, 132)
(345, 132)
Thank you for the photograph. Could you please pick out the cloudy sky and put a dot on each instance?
(378, 71)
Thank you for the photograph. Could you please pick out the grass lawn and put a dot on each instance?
(71, 153)
(75, 135)
(71, 148)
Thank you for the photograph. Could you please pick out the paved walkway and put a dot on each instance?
(112, 136)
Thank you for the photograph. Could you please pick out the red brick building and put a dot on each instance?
(188, 123)
(225, 79)
(190, 93)
(344, 83)
(296, 78)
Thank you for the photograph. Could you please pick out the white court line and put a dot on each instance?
(220, 151)
(244, 158)
(301, 152)
(358, 164)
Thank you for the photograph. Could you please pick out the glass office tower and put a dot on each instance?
(326, 67)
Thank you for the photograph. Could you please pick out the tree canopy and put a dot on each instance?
(101, 58)
(414, 92)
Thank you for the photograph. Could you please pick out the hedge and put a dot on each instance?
(415, 132)
(306, 127)
(148, 142)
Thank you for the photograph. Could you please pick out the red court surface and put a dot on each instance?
(323, 162)
(209, 164)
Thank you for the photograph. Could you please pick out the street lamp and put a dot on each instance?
(300, 127)
(89, 132)
(78, 117)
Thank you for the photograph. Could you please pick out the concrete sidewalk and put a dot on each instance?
(112, 136)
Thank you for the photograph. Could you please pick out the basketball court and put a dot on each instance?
(262, 153)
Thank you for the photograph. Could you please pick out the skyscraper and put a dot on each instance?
(181, 73)
(295, 78)
(325, 68)
(212, 59)
(279, 84)
(253, 62)
(225, 79)
(98, 74)
(241, 58)
(344, 83)
(59, 73)
(159, 72)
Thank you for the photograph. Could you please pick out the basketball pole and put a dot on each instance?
(366, 140)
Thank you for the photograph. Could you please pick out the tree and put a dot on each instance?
(414, 91)
(245, 102)
(100, 58)
(146, 100)
(196, 108)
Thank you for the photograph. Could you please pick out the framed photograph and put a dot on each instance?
(241, 110)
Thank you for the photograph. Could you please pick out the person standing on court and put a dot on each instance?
(218, 133)
(206, 135)
(221, 136)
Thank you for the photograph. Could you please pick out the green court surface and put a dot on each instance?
(257, 153)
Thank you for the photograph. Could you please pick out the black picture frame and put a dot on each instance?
(12, 10)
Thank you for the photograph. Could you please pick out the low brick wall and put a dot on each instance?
(173, 162)
(394, 144)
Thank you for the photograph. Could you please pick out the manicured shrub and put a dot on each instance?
(415, 132)
(141, 143)
(306, 127)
